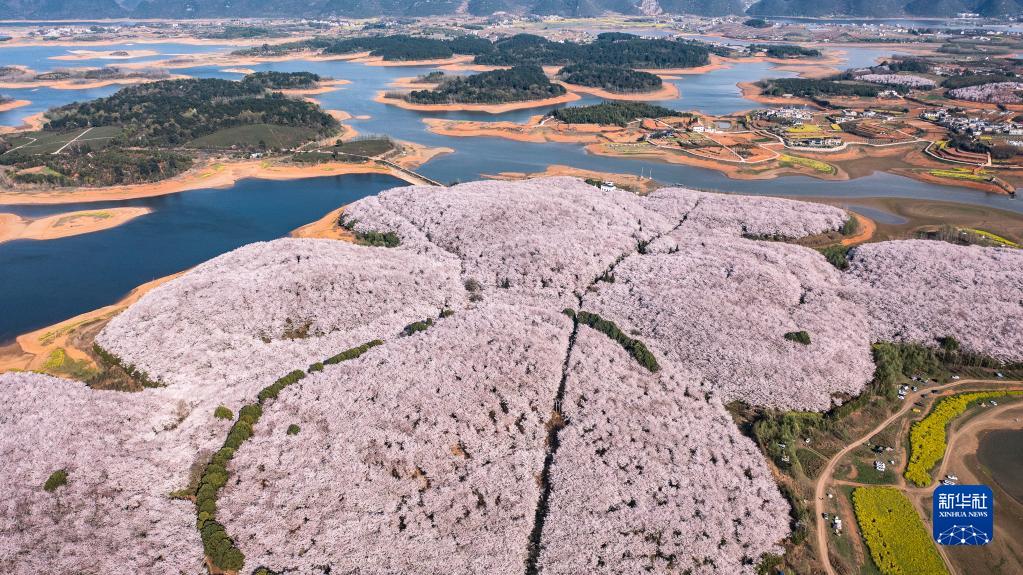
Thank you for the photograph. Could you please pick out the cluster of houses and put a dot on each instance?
(63, 32)
(824, 142)
(791, 116)
(973, 125)
(796, 117)
(847, 115)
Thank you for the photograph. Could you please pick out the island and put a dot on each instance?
(616, 83)
(151, 132)
(66, 224)
(78, 78)
(494, 91)
(7, 103)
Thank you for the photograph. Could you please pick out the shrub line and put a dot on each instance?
(221, 551)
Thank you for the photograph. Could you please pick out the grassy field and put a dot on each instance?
(804, 129)
(630, 149)
(961, 174)
(252, 135)
(59, 363)
(994, 238)
(355, 151)
(816, 165)
(50, 142)
(866, 473)
(366, 147)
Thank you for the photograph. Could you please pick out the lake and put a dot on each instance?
(1001, 453)
(45, 282)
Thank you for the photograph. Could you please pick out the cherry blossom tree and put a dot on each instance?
(994, 93)
(920, 290)
(114, 513)
(719, 308)
(434, 451)
(652, 476)
(549, 233)
(234, 323)
(908, 80)
(419, 457)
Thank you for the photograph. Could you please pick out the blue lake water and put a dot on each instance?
(45, 282)
(41, 58)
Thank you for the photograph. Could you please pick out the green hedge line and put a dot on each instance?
(636, 348)
(139, 376)
(217, 544)
(353, 353)
(271, 391)
(370, 238)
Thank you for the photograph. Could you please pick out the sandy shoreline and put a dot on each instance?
(25, 41)
(13, 104)
(411, 83)
(31, 350)
(66, 224)
(325, 228)
(321, 88)
(33, 122)
(382, 98)
(866, 230)
(715, 63)
(667, 91)
(86, 85)
(104, 55)
(752, 92)
(217, 175)
(625, 181)
(224, 60)
(379, 61)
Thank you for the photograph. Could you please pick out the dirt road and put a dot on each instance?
(825, 478)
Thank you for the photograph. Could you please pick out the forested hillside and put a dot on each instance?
(499, 86)
(885, 8)
(185, 9)
(610, 78)
(175, 112)
(150, 132)
(610, 49)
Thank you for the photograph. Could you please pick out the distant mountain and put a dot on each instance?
(184, 9)
(61, 9)
(885, 8)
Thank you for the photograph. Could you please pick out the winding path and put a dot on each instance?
(826, 474)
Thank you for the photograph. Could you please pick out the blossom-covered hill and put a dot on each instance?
(533, 380)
